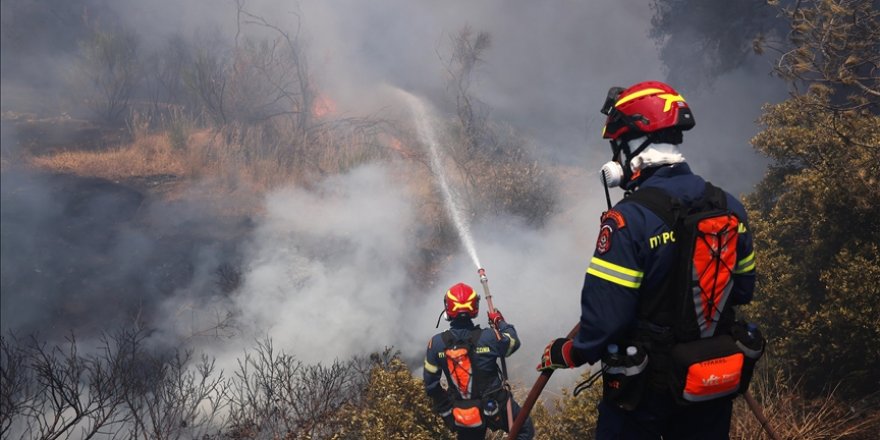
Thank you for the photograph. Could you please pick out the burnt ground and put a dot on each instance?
(88, 254)
(44, 135)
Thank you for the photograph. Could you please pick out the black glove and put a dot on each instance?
(442, 403)
(557, 354)
(443, 408)
(449, 421)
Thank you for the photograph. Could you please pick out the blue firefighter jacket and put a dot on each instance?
(488, 349)
(635, 252)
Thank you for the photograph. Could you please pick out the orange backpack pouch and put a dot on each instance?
(706, 369)
(467, 414)
(713, 378)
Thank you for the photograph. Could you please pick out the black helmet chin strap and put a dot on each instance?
(623, 146)
(649, 139)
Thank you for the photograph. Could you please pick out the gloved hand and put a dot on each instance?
(449, 421)
(495, 318)
(557, 355)
(442, 403)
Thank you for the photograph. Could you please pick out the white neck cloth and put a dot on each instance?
(654, 155)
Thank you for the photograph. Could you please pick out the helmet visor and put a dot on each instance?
(610, 99)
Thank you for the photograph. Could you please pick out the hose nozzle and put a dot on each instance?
(482, 273)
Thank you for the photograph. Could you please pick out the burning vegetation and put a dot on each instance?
(204, 128)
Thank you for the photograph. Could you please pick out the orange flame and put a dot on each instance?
(400, 148)
(323, 106)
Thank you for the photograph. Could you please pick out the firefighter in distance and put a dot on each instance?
(476, 399)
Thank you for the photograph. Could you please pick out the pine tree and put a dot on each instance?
(815, 213)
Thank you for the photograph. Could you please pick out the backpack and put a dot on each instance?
(459, 365)
(699, 352)
(694, 298)
(464, 378)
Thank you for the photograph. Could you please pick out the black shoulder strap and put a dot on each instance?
(670, 209)
(450, 340)
(666, 207)
(447, 338)
(475, 336)
(715, 197)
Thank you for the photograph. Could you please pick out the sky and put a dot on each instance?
(324, 270)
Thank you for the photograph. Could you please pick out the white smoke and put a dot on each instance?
(325, 272)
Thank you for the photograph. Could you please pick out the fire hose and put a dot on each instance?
(541, 382)
(536, 390)
(485, 282)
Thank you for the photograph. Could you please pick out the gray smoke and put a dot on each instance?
(325, 271)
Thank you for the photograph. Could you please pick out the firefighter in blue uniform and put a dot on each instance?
(635, 252)
(476, 399)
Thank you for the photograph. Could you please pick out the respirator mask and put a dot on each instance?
(618, 171)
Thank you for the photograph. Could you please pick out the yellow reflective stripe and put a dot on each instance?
(741, 229)
(616, 268)
(613, 279)
(615, 274)
(510, 345)
(748, 268)
(430, 368)
(637, 95)
(746, 264)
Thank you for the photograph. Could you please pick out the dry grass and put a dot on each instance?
(147, 156)
(793, 416)
(259, 157)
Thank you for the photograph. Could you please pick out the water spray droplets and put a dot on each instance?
(426, 133)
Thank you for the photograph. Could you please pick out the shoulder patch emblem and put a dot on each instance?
(603, 243)
(614, 216)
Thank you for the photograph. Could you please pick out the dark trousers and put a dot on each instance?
(658, 417)
(496, 422)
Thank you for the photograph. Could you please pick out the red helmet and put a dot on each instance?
(460, 301)
(646, 107)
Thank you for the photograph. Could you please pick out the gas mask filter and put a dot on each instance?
(611, 174)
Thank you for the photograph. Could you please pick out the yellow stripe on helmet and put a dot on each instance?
(636, 95)
(453, 298)
(458, 305)
(670, 98)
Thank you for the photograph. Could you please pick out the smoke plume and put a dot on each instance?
(326, 272)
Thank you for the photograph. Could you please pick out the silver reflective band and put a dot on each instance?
(629, 371)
